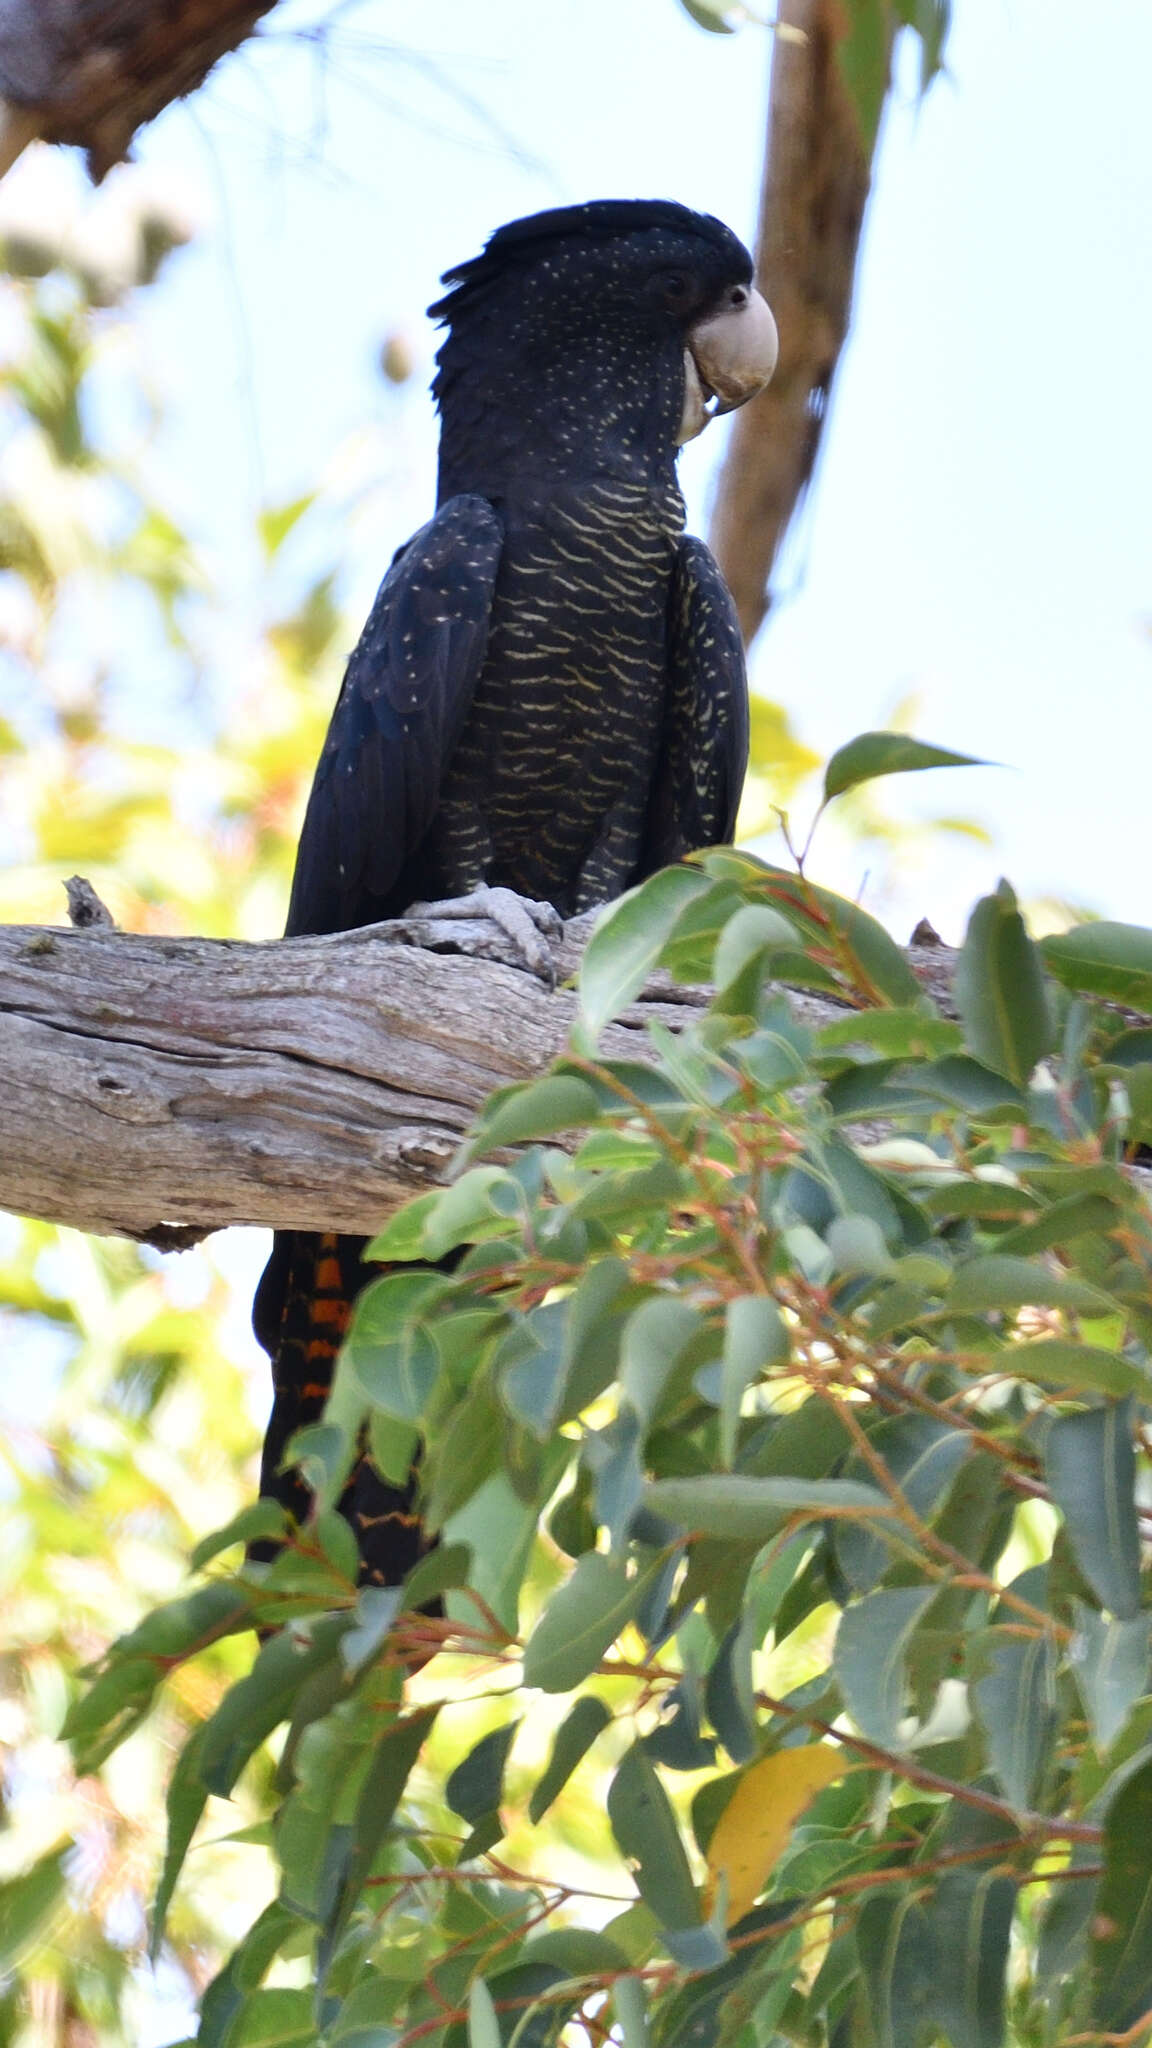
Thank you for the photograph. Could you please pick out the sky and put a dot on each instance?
(978, 537)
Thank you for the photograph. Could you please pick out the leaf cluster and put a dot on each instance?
(782, 1437)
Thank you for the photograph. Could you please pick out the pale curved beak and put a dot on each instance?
(729, 358)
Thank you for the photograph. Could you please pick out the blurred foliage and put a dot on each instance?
(782, 1673)
(867, 30)
(128, 1421)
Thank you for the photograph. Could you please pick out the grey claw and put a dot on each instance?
(528, 926)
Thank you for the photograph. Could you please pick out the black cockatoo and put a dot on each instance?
(548, 701)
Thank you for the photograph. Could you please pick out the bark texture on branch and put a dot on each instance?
(161, 1088)
(94, 71)
(817, 172)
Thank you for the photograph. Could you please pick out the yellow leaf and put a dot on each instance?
(755, 1827)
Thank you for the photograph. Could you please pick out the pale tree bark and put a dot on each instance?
(162, 1088)
(817, 169)
(92, 72)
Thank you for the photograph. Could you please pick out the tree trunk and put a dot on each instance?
(817, 170)
(94, 71)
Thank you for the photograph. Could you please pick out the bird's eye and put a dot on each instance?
(675, 285)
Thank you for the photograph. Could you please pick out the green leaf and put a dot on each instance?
(1111, 1662)
(964, 1084)
(376, 1610)
(581, 1622)
(1015, 1703)
(573, 1739)
(483, 2025)
(1104, 959)
(276, 523)
(629, 939)
(652, 1341)
(863, 55)
(477, 1203)
(444, 1568)
(731, 1694)
(999, 1282)
(366, 2017)
(1091, 1467)
(868, 1660)
(1062, 1936)
(106, 1714)
(391, 1768)
(187, 1798)
(259, 1702)
(403, 1235)
(897, 1951)
(716, 17)
(263, 1518)
(1086, 1215)
(923, 1458)
(500, 1530)
(755, 1338)
(539, 1109)
(743, 1508)
(1082, 1367)
(531, 1367)
(576, 1952)
(276, 2018)
(28, 1905)
(989, 1199)
(971, 1919)
(628, 1994)
(753, 930)
(646, 1833)
(867, 956)
(389, 1349)
(999, 990)
(1122, 1922)
(887, 753)
(858, 1247)
(325, 1453)
(476, 1786)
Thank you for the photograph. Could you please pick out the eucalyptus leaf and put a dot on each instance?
(971, 1921)
(999, 990)
(739, 1507)
(580, 1623)
(755, 1339)
(897, 1949)
(1090, 1462)
(1015, 1702)
(1111, 1662)
(587, 1719)
(647, 1834)
(887, 753)
(871, 1643)
(1104, 959)
(629, 939)
(1122, 1922)
(476, 1786)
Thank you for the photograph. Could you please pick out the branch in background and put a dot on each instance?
(92, 72)
(817, 171)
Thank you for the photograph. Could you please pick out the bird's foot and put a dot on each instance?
(525, 928)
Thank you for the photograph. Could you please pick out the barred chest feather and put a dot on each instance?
(548, 786)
